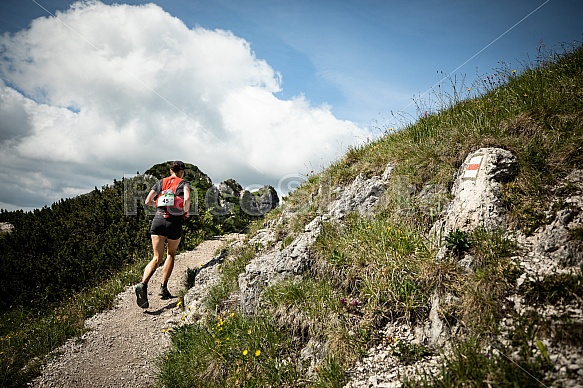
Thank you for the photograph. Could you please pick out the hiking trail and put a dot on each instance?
(124, 344)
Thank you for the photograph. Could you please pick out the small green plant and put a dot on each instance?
(555, 288)
(458, 242)
(483, 294)
(339, 259)
(331, 374)
(491, 246)
(527, 210)
(286, 241)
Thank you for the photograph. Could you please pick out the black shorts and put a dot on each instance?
(170, 227)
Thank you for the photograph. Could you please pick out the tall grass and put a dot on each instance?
(377, 262)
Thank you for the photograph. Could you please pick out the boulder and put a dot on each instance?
(475, 203)
(361, 196)
(476, 193)
(6, 227)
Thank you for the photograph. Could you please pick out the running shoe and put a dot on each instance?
(142, 295)
(164, 293)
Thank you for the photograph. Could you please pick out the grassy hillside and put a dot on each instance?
(376, 270)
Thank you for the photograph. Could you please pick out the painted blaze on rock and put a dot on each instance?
(473, 167)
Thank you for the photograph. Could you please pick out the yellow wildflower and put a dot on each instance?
(245, 352)
(257, 353)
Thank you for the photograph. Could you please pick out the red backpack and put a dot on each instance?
(167, 197)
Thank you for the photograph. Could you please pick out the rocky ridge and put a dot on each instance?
(475, 203)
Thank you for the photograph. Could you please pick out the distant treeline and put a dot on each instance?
(75, 243)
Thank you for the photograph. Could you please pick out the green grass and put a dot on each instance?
(376, 262)
(554, 289)
(231, 350)
(409, 353)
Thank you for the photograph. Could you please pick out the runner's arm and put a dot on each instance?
(150, 198)
(186, 200)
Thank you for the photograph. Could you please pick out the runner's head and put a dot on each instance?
(177, 166)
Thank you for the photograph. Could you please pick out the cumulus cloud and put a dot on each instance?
(100, 91)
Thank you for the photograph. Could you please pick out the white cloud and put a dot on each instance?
(101, 91)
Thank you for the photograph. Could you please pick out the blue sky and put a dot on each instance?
(259, 91)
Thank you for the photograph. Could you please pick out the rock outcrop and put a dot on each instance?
(557, 246)
(276, 265)
(476, 192)
(6, 227)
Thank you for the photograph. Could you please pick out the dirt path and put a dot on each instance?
(124, 343)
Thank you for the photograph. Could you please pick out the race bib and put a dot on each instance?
(166, 198)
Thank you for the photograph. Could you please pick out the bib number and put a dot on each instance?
(166, 198)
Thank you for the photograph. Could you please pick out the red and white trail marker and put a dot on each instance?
(473, 167)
